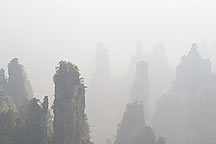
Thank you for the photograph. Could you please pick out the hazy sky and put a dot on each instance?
(42, 32)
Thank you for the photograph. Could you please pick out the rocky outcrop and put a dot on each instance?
(161, 75)
(140, 87)
(69, 118)
(6, 102)
(133, 129)
(132, 122)
(44, 124)
(102, 65)
(105, 98)
(3, 80)
(180, 114)
(19, 87)
(139, 56)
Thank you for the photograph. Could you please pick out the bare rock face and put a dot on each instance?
(192, 76)
(102, 65)
(140, 56)
(44, 124)
(180, 115)
(70, 125)
(19, 87)
(161, 75)
(133, 121)
(133, 129)
(3, 80)
(140, 87)
(105, 99)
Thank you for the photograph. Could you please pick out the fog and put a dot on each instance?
(61, 29)
(116, 44)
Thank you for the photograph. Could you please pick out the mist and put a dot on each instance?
(152, 63)
(71, 29)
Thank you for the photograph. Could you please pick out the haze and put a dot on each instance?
(42, 32)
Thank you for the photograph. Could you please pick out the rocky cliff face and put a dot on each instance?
(19, 87)
(181, 114)
(133, 129)
(161, 75)
(3, 80)
(44, 120)
(139, 56)
(192, 77)
(140, 87)
(132, 122)
(69, 105)
(6, 102)
(106, 98)
(102, 65)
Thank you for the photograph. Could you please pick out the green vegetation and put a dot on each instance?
(21, 126)
(70, 121)
(30, 121)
